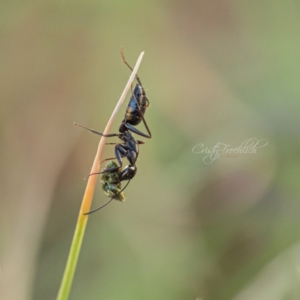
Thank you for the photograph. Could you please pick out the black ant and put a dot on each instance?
(134, 114)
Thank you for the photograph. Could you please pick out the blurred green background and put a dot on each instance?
(214, 72)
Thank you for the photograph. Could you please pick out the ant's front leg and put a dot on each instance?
(136, 131)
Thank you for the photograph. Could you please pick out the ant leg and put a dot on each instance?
(126, 63)
(140, 142)
(96, 132)
(136, 131)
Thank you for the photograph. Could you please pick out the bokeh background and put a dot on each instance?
(215, 72)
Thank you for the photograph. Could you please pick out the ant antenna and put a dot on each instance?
(126, 63)
(108, 200)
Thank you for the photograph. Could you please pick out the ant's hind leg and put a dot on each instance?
(126, 63)
(96, 132)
